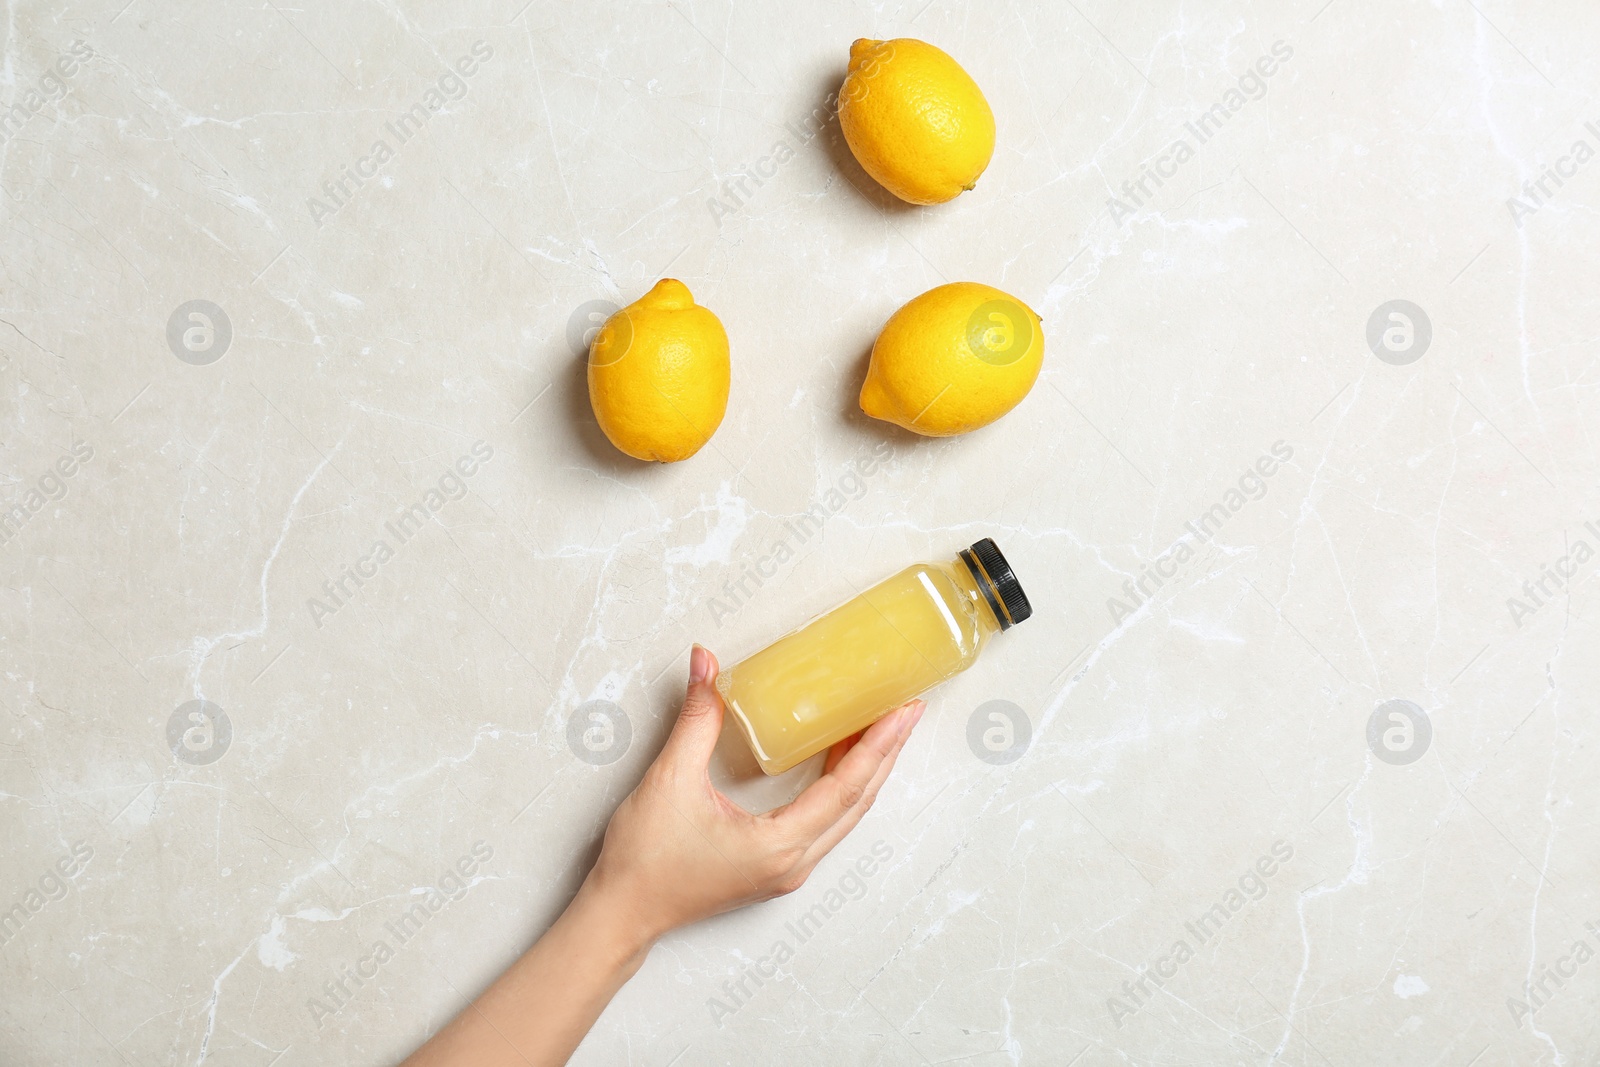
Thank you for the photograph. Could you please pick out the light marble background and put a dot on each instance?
(433, 310)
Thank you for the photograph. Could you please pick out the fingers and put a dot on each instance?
(700, 722)
(837, 750)
(847, 822)
(832, 796)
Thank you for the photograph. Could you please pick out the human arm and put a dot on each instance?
(677, 850)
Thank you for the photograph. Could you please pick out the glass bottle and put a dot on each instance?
(847, 668)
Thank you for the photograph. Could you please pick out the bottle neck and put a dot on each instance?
(977, 588)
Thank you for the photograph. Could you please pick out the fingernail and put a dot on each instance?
(908, 717)
(699, 665)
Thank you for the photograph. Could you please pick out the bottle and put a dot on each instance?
(845, 670)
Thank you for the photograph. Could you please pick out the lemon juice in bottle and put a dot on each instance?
(846, 669)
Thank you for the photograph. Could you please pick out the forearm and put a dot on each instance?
(539, 1010)
(676, 851)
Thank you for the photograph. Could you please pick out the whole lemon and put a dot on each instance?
(915, 120)
(955, 358)
(658, 375)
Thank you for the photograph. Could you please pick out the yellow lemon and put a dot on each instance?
(658, 375)
(955, 358)
(915, 120)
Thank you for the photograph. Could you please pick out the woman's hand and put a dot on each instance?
(678, 850)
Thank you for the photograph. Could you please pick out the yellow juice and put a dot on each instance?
(846, 669)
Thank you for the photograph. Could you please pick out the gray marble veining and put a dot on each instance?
(332, 629)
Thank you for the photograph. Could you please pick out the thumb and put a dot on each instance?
(700, 722)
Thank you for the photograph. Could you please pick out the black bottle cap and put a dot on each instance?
(999, 585)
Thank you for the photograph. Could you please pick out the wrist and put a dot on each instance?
(612, 922)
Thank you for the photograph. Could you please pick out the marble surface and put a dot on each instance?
(1310, 785)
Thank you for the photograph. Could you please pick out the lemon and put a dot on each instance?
(658, 375)
(955, 358)
(915, 120)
